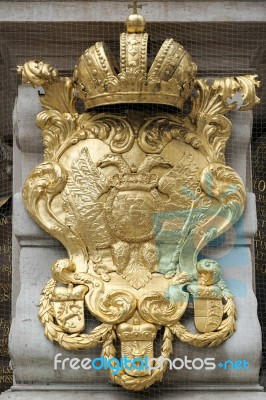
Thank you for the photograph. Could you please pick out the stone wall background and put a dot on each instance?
(219, 47)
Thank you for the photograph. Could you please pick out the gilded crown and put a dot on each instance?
(168, 81)
(144, 331)
(69, 294)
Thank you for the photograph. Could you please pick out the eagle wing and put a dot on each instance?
(82, 205)
(180, 183)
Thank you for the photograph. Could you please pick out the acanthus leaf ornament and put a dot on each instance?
(134, 199)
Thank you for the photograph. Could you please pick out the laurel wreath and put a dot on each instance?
(105, 334)
(223, 332)
(56, 334)
(143, 382)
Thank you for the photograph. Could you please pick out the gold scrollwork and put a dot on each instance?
(134, 200)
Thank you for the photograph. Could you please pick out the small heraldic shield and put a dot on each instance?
(68, 304)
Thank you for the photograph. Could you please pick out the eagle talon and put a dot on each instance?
(169, 275)
(104, 271)
(179, 278)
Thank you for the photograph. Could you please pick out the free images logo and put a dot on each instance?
(231, 365)
(146, 364)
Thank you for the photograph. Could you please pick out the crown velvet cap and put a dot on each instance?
(169, 80)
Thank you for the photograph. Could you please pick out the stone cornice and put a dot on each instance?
(113, 11)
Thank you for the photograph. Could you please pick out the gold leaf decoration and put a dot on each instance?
(155, 308)
(60, 96)
(210, 130)
(57, 131)
(158, 131)
(56, 334)
(136, 201)
(139, 383)
(211, 339)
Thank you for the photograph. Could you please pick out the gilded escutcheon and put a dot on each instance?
(134, 196)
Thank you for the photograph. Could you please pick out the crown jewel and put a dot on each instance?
(168, 81)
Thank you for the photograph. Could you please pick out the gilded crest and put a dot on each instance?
(134, 197)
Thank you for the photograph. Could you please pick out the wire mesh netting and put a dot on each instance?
(218, 49)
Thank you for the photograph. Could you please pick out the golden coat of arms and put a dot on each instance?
(134, 192)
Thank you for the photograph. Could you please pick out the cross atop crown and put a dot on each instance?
(135, 6)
